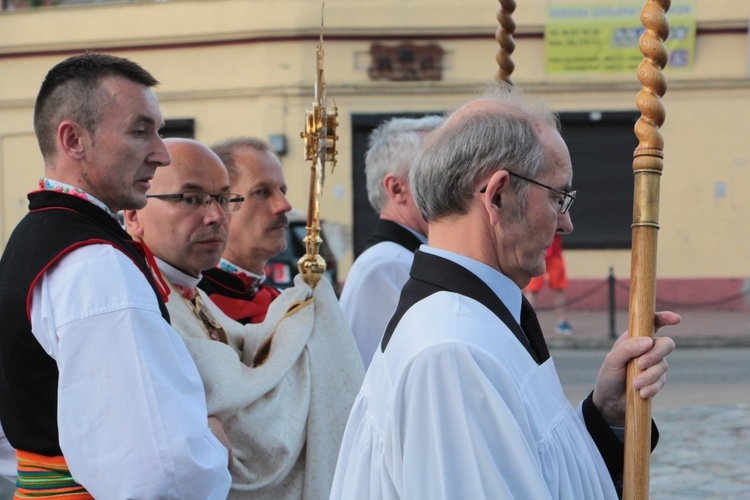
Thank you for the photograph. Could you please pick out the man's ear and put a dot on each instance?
(133, 223)
(394, 186)
(71, 139)
(496, 195)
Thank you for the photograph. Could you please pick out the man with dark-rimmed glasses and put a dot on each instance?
(461, 399)
(567, 196)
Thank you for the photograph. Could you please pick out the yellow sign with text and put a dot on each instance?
(584, 38)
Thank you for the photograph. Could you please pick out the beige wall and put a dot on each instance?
(247, 67)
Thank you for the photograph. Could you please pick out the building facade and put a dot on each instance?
(247, 67)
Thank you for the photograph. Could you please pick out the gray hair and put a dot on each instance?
(445, 175)
(392, 148)
(225, 149)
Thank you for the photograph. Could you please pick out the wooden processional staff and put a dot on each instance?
(647, 168)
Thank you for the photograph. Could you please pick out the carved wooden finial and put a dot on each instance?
(504, 37)
(650, 150)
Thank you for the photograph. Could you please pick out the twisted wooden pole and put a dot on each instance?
(504, 37)
(647, 169)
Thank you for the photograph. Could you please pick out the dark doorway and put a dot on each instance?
(601, 148)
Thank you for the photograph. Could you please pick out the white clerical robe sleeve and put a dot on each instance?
(131, 407)
(371, 293)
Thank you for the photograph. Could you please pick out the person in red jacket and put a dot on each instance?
(558, 281)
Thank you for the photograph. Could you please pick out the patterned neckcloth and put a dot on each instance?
(192, 298)
(533, 330)
(46, 184)
(251, 281)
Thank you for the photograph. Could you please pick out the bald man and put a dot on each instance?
(461, 399)
(281, 388)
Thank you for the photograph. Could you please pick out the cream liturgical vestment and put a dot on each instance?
(284, 417)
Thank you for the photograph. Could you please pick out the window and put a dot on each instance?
(26, 4)
(179, 127)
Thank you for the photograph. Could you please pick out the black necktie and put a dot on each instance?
(530, 325)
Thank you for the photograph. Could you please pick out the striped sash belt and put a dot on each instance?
(40, 476)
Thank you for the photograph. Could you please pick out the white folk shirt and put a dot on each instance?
(371, 292)
(456, 408)
(131, 407)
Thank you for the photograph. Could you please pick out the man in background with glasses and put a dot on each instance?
(281, 389)
(257, 232)
(461, 399)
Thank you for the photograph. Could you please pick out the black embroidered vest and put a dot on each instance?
(56, 224)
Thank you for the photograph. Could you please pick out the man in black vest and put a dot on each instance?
(375, 280)
(97, 391)
(461, 399)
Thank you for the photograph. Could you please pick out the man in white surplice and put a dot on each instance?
(283, 407)
(461, 399)
(374, 282)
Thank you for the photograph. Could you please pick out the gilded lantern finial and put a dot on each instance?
(320, 149)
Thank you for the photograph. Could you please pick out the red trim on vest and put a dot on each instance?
(69, 249)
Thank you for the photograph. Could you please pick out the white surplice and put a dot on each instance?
(456, 408)
(371, 292)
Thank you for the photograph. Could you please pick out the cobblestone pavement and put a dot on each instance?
(6, 489)
(703, 452)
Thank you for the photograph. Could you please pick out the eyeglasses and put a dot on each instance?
(193, 200)
(568, 196)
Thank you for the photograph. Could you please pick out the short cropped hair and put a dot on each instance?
(225, 149)
(72, 90)
(457, 156)
(392, 148)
